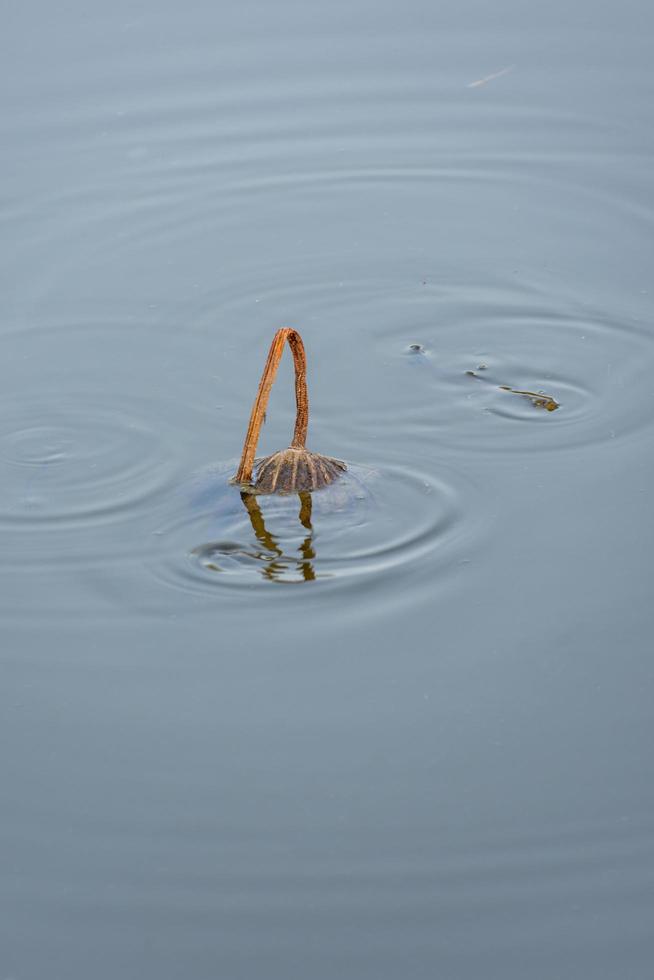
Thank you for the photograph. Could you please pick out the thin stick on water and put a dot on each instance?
(489, 78)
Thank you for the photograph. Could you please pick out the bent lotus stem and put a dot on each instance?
(257, 415)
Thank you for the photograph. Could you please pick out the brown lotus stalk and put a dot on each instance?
(295, 469)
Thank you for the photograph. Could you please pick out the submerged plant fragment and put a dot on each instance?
(538, 398)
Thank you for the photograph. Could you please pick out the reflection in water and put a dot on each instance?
(370, 522)
(276, 563)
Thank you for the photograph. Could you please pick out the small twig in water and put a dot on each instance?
(538, 398)
(489, 78)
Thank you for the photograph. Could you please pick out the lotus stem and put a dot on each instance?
(257, 415)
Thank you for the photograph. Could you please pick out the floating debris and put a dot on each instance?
(489, 78)
(538, 398)
(295, 469)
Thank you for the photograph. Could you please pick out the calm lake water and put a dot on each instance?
(410, 736)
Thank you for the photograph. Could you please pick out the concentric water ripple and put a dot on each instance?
(372, 522)
(595, 363)
(597, 367)
(66, 462)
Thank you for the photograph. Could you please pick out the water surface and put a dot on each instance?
(407, 733)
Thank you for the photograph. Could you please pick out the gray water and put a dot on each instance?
(410, 737)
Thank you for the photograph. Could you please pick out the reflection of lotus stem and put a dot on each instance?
(274, 567)
(305, 509)
(244, 472)
(261, 532)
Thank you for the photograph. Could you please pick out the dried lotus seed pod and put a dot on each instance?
(295, 469)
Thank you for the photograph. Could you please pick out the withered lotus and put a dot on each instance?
(295, 469)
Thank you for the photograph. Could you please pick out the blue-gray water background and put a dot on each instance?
(415, 739)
